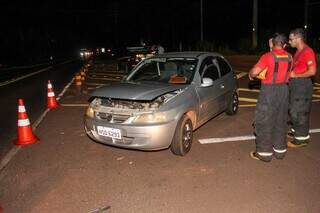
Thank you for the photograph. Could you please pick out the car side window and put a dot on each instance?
(224, 66)
(211, 72)
(206, 62)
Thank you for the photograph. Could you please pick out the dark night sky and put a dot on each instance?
(67, 25)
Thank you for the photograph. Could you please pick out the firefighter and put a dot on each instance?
(301, 88)
(271, 113)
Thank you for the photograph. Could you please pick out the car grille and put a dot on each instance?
(124, 140)
(112, 117)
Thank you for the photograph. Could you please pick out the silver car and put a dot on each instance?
(162, 101)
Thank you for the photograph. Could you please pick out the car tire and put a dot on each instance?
(232, 104)
(182, 139)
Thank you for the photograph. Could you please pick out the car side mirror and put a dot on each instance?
(207, 82)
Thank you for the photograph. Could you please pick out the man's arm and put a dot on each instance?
(254, 72)
(311, 71)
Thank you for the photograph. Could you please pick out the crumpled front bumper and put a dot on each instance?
(142, 137)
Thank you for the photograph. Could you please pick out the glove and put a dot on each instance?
(262, 74)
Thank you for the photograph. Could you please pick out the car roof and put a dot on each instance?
(191, 54)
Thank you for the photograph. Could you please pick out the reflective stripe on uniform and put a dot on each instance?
(265, 154)
(23, 122)
(21, 109)
(279, 150)
(292, 130)
(49, 86)
(50, 94)
(282, 56)
(302, 138)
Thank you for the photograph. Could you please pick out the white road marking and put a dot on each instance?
(238, 138)
(253, 105)
(91, 88)
(314, 131)
(221, 140)
(74, 105)
(65, 88)
(37, 122)
(8, 157)
(257, 90)
(95, 84)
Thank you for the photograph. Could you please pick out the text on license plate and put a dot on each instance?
(109, 132)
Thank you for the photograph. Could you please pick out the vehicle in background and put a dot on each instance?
(86, 52)
(162, 101)
(133, 56)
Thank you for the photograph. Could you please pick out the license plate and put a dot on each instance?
(109, 132)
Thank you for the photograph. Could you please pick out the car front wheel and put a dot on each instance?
(182, 139)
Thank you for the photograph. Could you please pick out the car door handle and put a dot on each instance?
(221, 86)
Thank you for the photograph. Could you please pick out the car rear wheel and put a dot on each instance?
(232, 104)
(182, 139)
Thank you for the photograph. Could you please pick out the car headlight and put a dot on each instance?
(90, 112)
(95, 104)
(151, 118)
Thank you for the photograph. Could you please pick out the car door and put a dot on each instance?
(209, 96)
(227, 77)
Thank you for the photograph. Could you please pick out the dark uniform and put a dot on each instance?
(272, 108)
(301, 90)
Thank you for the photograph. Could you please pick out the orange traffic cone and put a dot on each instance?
(25, 135)
(52, 102)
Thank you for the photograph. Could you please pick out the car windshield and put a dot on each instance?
(166, 70)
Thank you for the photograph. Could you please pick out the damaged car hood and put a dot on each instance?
(144, 91)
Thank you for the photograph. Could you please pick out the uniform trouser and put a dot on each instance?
(301, 90)
(271, 120)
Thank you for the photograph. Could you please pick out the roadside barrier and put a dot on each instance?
(25, 135)
(51, 101)
(78, 80)
(83, 75)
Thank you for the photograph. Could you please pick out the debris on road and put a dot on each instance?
(100, 210)
(120, 158)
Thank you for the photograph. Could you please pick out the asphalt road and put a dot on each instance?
(33, 90)
(67, 172)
